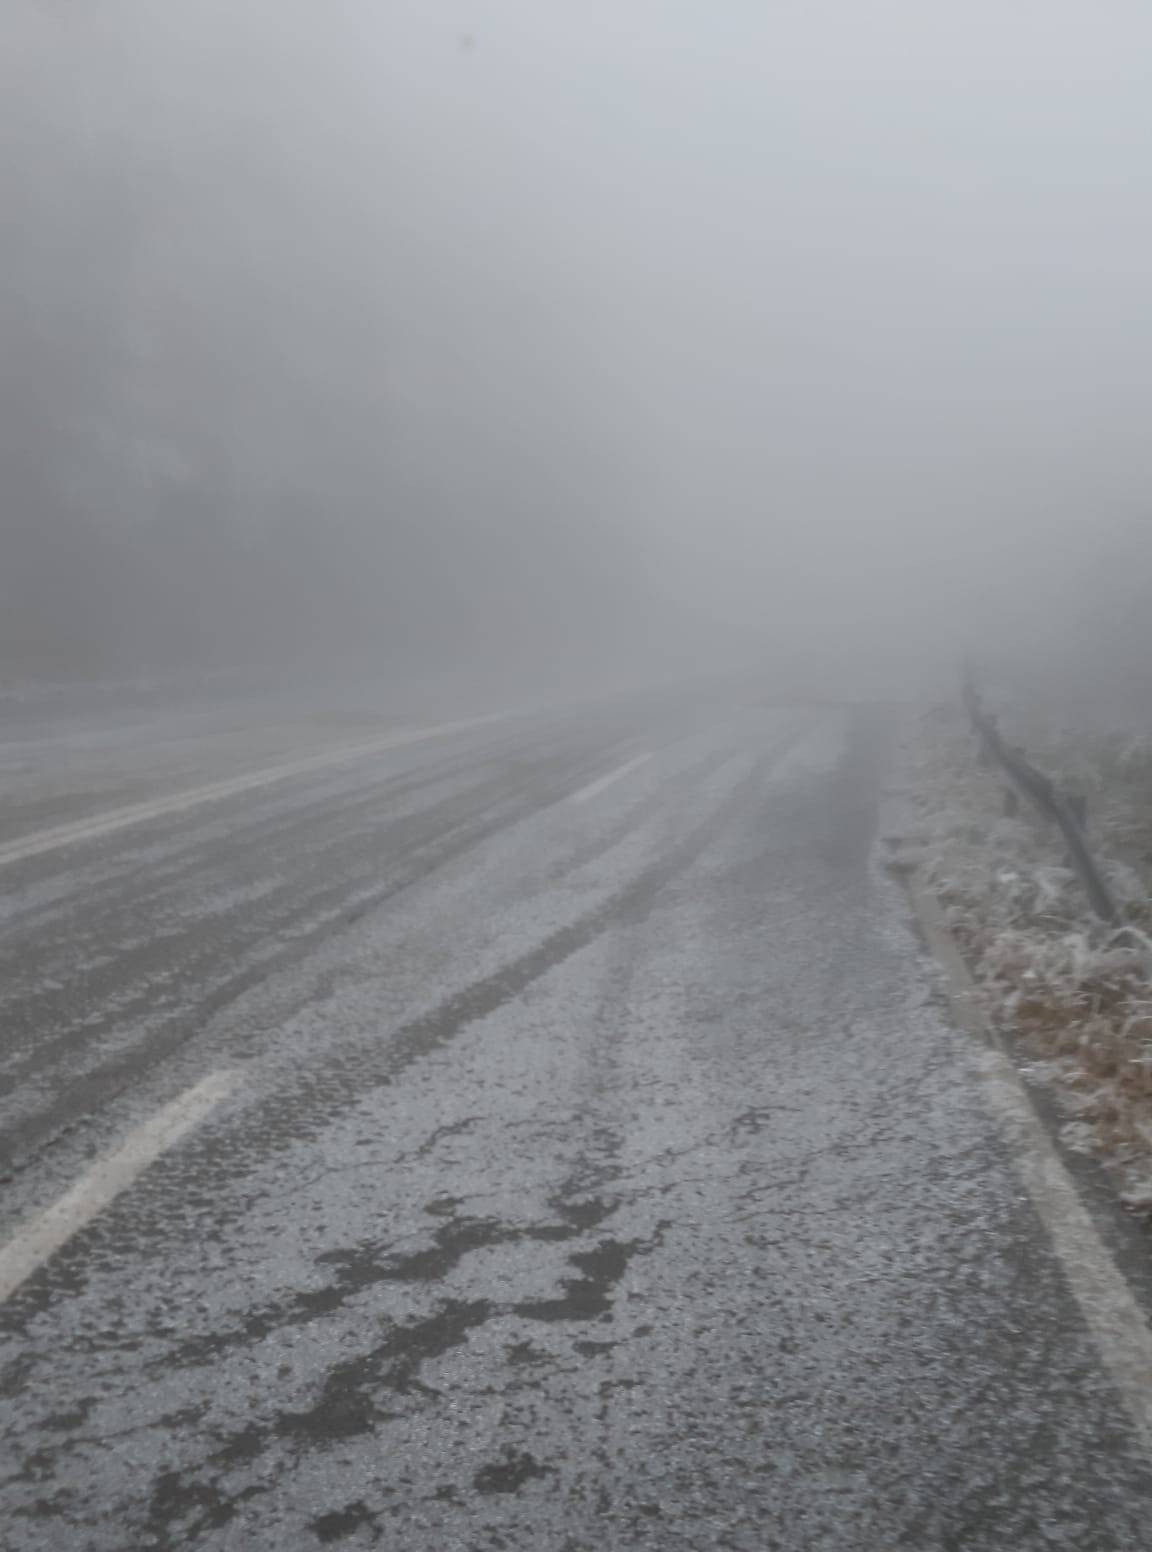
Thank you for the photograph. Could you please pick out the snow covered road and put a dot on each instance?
(452, 1164)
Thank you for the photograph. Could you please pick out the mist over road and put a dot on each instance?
(456, 1096)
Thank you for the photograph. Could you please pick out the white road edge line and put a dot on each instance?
(178, 802)
(595, 788)
(1113, 1315)
(45, 1234)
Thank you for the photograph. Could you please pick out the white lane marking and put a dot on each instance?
(1111, 1311)
(45, 1234)
(179, 802)
(595, 788)
(1114, 1317)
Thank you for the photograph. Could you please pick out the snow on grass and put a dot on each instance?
(1075, 995)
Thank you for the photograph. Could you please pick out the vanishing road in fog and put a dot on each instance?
(540, 1133)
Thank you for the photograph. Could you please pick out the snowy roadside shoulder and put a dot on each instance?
(1072, 995)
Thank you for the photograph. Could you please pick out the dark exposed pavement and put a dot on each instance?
(597, 1171)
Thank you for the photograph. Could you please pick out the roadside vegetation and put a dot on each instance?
(1072, 995)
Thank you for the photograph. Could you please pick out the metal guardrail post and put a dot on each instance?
(1067, 813)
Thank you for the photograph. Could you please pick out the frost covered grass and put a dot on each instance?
(1074, 995)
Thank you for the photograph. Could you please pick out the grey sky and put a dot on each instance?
(858, 285)
(834, 311)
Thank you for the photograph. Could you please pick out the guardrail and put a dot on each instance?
(1067, 812)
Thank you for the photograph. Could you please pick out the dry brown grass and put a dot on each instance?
(1076, 996)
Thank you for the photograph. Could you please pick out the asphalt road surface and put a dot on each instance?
(541, 1134)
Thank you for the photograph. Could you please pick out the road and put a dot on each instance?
(536, 1134)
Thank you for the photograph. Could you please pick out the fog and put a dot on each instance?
(810, 336)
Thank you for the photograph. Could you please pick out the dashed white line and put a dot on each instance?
(179, 802)
(50, 1230)
(595, 788)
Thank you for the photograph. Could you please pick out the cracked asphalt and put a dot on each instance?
(595, 1174)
